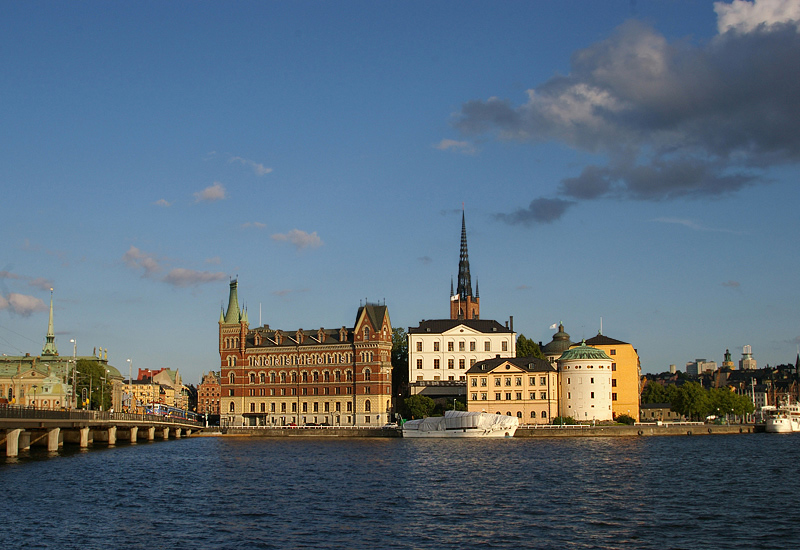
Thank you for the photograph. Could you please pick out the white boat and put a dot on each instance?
(462, 424)
(782, 419)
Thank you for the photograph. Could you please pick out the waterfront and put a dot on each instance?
(675, 492)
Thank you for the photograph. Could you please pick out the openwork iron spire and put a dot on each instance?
(464, 280)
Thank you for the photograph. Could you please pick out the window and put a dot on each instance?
(504, 345)
(508, 396)
(613, 352)
(366, 333)
(436, 346)
(230, 393)
(262, 378)
(232, 407)
(519, 396)
(436, 363)
(498, 396)
(462, 346)
(487, 346)
(483, 382)
(497, 381)
(591, 395)
(450, 363)
(518, 381)
(542, 380)
(461, 363)
(232, 378)
(419, 346)
(474, 382)
(519, 414)
(367, 406)
(543, 395)
(532, 381)
(613, 382)
(252, 407)
(613, 397)
(294, 407)
(508, 380)
(483, 397)
(449, 346)
(451, 378)
(474, 397)
(283, 407)
(272, 378)
(613, 366)
(419, 363)
(326, 407)
(591, 380)
(316, 407)
(272, 407)
(349, 406)
(252, 378)
(471, 362)
(533, 414)
(472, 346)
(304, 407)
(544, 414)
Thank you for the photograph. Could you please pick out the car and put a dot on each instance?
(390, 425)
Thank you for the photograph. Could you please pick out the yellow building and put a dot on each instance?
(525, 387)
(626, 374)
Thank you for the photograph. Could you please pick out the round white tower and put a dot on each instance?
(585, 384)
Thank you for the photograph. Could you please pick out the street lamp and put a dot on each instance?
(104, 380)
(74, 371)
(34, 395)
(130, 384)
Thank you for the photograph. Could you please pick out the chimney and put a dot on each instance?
(511, 319)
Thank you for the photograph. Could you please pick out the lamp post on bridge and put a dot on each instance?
(74, 403)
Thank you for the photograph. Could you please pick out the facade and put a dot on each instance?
(585, 384)
(272, 377)
(727, 362)
(626, 374)
(440, 352)
(659, 412)
(525, 387)
(747, 362)
(208, 394)
(700, 366)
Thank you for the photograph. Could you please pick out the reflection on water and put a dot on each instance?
(670, 492)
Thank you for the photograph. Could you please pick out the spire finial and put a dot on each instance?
(50, 341)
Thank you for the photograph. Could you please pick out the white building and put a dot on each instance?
(747, 362)
(440, 352)
(585, 384)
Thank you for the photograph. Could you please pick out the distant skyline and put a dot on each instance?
(630, 161)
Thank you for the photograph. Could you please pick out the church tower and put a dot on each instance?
(50, 348)
(463, 305)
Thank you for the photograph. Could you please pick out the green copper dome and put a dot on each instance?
(583, 352)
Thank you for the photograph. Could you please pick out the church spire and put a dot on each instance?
(464, 280)
(50, 342)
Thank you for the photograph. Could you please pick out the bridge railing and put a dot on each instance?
(19, 411)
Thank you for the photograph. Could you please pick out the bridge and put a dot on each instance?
(23, 427)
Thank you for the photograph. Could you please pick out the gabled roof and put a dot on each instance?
(375, 314)
(439, 326)
(601, 340)
(527, 364)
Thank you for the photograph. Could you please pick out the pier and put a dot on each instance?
(24, 427)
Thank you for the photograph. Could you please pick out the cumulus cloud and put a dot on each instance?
(259, 169)
(672, 119)
(177, 276)
(163, 202)
(136, 259)
(188, 277)
(211, 193)
(300, 239)
(459, 146)
(22, 304)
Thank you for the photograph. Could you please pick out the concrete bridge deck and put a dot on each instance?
(22, 427)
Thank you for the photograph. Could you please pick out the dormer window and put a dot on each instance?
(366, 333)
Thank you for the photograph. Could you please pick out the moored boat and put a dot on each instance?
(462, 424)
(782, 419)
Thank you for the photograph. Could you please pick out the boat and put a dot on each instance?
(462, 424)
(782, 419)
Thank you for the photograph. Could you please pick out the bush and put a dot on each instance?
(626, 419)
(564, 420)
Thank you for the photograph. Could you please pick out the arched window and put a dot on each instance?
(349, 375)
(508, 413)
(326, 376)
(305, 376)
(366, 333)
(283, 378)
(252, 378)
(544, 414)
(232, 378)
(272, 378)
(367, 374)
(337, 376)
(315, 376)
(533, 414)
(232, 408)
(519, 414)
(367, 406)
(294, 378)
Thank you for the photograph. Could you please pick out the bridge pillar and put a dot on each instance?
(134, 433)
(165, 432)
(188, 432)
(177, 433)
(151, 433)
(25, 440)
(84, 437)
(112, 435)
(53, 439)
(12, 442)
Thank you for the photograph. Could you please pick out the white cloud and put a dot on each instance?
(452, 145)
(742, 16)
(22, 304)
(299, 239)
(257, 225)
(136, 259)
(211, 193)
(216, 260)
(259, 169)
(182, 277)
(163, 202)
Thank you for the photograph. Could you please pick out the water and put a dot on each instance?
(219, 493)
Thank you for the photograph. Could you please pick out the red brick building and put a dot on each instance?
(272, 377)
(208, 394)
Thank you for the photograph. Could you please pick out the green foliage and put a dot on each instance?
(723, 402)
(654, 392)
(93, 377)
(626, 419)
(419, 406)
(692, 401)
(564, 421)
(444, 404)
(528, 348)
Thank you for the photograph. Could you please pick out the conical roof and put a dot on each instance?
(583, 352)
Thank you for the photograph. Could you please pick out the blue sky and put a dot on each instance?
(635, 161)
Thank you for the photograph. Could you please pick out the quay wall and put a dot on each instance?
(641, 430)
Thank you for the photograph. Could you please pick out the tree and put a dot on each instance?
(419, 406)
(92, 380)
(399, 368)
(692, 401)
(528, 348)
(654, 393)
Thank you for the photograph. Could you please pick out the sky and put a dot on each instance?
(633, 162)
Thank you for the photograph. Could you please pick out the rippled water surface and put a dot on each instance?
(650, 492)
